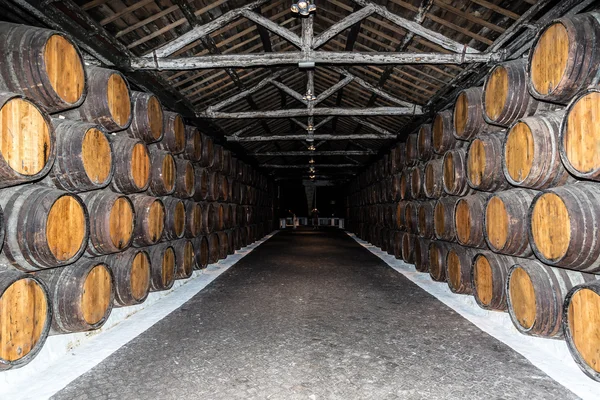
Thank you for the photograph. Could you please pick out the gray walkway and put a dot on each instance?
(313, 315)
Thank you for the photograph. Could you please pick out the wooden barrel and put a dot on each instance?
(202, 183)
(412, 156)
(175, 218)
(580, 323)
(411, 216)
(562, 226)
(193, 219)
(162, 266)
(45, 227)
(173, 139)
(193, 144)
(564, 58)
(42, 64)
(218, 160)
(433, 178)
(223, 245)
(395, 187)
(484, 163)
(112, 221)
(454, 174)
(405, 178)
(489, 274)
(438, 251)
(108, 101)
(421, 254)
(506, 229)
(208, 159)
(149, 220)
(443, 218)
(400, 215)
(213, 248)
(507, 97)
(25, 318)
(82, 295)
(226, 162)
(162, 173)
(468, 115)
(531, 156)
(398, 161)
(209, 217)
(28, 147)
(213, 186)
(185, 179)
(469, 220)
(236, 238)
(131, 270)
(147, 122)
(131, 165)
(459, 261)
(417, 182)
(408, 247)
(424, 143)
(425, 219)
(580, 135)
(536, 293)
(231, 242)
(185, 258)
(202, 252)
(397, 244)
(443, 133)
(223, 184)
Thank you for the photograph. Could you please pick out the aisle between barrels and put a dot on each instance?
(311, 315)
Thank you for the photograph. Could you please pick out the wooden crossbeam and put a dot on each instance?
(314, 153)
(342, 25)
(297, 166)
(300, 112)
(328, 137)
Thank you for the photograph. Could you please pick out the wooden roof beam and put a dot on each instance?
(347, 112)
(342, 25)
(317, 136)
(323, 153)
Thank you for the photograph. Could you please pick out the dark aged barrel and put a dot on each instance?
(201, 248)
(202, 183)
(580, 135)
(231, 242)
(562, 226)
(425, 218)
(438, 252)
(193, 144)
(468, 115)
(484, 163)
(397, 244)
(469, 220)
(149, 220)
(213, 186)
(42, 64)
(131, 165)
(84, 157)
(581, 320)
(223, 183)
(425, 143)
(459, 261)
(108, 101)
(226, 161)
(193, 219)
(162, 173)
(433, 185)
(443, 133)
(405, 193)
(507, 97)
(45, 227)
(25, 318)
(208, 159)
(162, 267)
(395, 186)
(531, 155)
(398, 161)
(408, 247)
(412, 156)
(174, 218)
(185, 258)
(400, 215)
(147, 122)
(564, 58)
(223, 245)
(237, 238)
(131, 270)
(112, 220)
(217, 158)
(82, 295)
(173, 139)
(185, 181)
(422, 254)
(536, 293)
(417, 182)
(213, 248)
(443, 215)
(411, 216)
(506, 229)
(455, 173)
(27, 138)
(489, 274)
(210, 216)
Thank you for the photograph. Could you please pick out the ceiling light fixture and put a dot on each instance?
(304, 8)
(311, 161)
(311, 147)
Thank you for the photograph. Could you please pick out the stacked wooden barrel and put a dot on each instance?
(506, 185)
(121, 196)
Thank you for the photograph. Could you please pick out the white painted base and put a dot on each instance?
(66, 357)
(549, 355)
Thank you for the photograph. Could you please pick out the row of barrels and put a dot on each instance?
(80, 297)
(496, 197)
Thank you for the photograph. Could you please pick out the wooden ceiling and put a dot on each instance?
(114, 32)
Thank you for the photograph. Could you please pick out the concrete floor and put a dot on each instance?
(313, 315)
